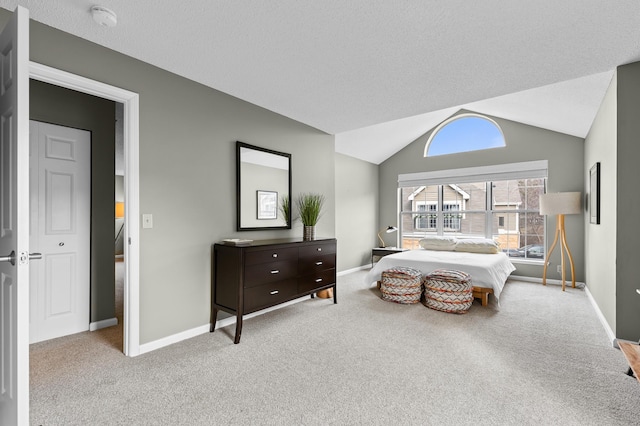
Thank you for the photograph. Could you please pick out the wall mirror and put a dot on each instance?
(263, 181)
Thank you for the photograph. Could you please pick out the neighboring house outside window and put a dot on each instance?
(504, 208)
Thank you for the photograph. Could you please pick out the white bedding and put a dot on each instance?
(486, 270)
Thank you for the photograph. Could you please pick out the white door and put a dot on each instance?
(14, 220)
(60, 180)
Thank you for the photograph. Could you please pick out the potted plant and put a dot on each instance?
(310, 210)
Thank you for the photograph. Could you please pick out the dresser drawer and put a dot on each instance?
(313, 250)
(271, 255)
(269, 294)
(316, 263)
(309, 283)
(263, 273)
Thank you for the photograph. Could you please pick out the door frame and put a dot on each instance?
(131, 311)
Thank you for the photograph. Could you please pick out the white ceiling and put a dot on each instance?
(378, 73)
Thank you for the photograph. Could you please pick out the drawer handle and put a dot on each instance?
(273, 292)
(319, 248)
(319, 280)
(275, 271)
(318, 263)
(274, 255)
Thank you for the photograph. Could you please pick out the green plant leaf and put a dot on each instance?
(310, 208)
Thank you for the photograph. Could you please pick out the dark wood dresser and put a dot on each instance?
(266, 273)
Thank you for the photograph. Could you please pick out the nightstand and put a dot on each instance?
(384, 251)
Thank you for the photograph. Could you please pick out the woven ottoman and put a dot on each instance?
(449, 291)
(401, 285)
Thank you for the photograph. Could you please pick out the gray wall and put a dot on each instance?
(64, 107)
(356, 211)
(628, 203)
(600, 240)
(611, 246)
(187, 172)
(524, 143)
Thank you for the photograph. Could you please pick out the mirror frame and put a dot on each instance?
(239, 227)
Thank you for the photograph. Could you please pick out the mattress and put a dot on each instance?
(486, 270)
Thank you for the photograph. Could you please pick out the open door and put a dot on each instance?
(14, 220)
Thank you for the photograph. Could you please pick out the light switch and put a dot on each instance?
(147, 220)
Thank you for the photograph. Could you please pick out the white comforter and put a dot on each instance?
(486, 270)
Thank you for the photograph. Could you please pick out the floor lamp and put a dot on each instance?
(560, 204)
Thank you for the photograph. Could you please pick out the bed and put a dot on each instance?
(488, 272)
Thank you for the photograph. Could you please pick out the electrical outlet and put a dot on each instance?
(559, 269)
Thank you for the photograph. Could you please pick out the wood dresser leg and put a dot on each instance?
(214, 318)
(485, 299)
(238, 328)
(335, 294)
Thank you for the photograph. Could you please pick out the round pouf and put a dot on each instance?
(401, 285)
(449, 291)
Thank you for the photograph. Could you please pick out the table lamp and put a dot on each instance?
(560, 204)
(389, 230)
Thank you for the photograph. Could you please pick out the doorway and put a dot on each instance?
(130, 101)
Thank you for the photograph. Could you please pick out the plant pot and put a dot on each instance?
(309, 233)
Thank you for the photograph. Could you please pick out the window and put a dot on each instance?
(426, 218)
(427, 215)
(498, 202)
(464, 133)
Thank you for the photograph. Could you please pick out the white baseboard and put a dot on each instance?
(579, 284)
(348, 271)
(202, 329)
(174, 338)
(103, 324)
(603, 320)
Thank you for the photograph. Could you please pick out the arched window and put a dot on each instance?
(463, 133)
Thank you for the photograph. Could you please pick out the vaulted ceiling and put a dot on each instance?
(378, 73)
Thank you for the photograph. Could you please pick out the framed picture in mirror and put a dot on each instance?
(267, 204)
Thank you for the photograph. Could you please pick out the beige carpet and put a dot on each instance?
(541, 358)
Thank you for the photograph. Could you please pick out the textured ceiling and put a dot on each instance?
(342, 65)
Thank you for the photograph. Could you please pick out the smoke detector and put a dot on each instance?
(103, 16)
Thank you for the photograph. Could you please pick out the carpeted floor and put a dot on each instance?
(541, 358)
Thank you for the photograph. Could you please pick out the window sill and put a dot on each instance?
(515, 260)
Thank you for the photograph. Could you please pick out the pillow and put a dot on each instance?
(477, 245)
(438, 243)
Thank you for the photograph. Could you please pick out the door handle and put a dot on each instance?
(11, 258)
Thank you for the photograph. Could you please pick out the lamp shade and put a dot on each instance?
(119, 209)
(391, 229)
(560, 203)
